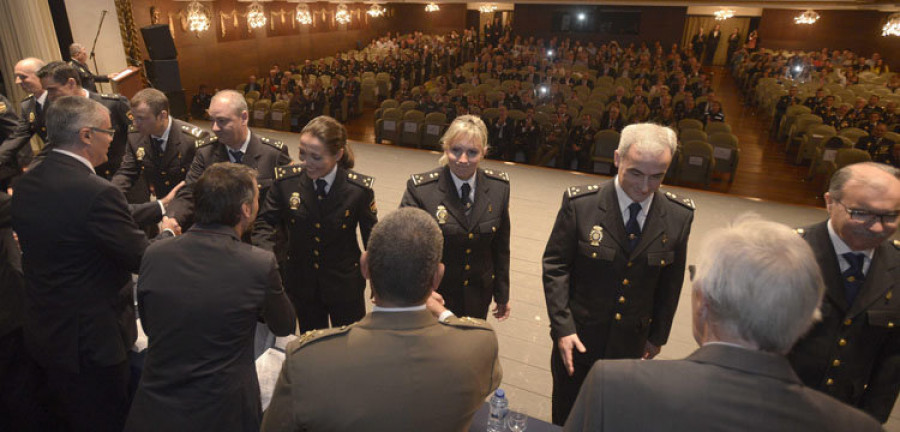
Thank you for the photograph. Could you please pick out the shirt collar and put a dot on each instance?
(377, 308)
(79, 158)
(42, 99)
(840, 247)
(625, 201)
(246, 144)
(458, 182)
(329, 178)
(165, 135)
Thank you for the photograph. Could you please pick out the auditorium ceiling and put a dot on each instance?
(884, 5)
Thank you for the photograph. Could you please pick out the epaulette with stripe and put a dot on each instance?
(682, 200)
(206, 141)
(133, 129)
(499, 175)
(467, 322)
(287, 171)
(194, 131)
(577, 191)
(313, 336)
(113, 96)
(427, 177)
(274, 143)
(360, 179)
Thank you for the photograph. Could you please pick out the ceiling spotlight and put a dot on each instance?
(808, 17)
(197, 17)
(342, 15)
(302, 14)
(724, 14)
(256, 16)
(892, 26)
(432, 7)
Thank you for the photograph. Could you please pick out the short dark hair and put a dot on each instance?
(59, 72)
(153, 98)
(333, 136)
(404, 252)
(220, 192)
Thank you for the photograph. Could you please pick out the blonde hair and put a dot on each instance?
(464, 127)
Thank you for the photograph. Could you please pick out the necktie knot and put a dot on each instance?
(320, 188)
(853, 276)
(157, 144)
(856, 260)
(237, 155)
(464, 191)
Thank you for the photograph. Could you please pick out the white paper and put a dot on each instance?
(259, 114)
(410, 127)
(722, 153)
(268, 367)
(277, 116)
(695, 160)
(829, 155)
(433, 130)
(389, 125)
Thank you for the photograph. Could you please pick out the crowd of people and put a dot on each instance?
(224, 231)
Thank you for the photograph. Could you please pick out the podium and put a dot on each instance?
(127, 82)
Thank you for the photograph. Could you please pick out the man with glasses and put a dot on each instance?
(853, 353)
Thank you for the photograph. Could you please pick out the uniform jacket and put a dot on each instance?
(391, 371)
(9, 122)
(88, 79)
(476, 248)
(322, 256)
(616, 301)
(15, 150)
(69, 220)
(740, 389)
(263, 154)
(120, 116)
(199, 297)
(12, 286)
(853, 354)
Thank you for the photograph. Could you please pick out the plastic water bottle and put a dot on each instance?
(499, 409)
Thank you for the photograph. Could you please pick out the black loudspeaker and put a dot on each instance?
(159, 42)
(177, 104)
(164, 75)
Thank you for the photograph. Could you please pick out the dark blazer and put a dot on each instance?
(120, 115)
(263, 154)
(863, 337)
(476, 248)
(9, 122)
(419, 375)
(80, 246)
(88, 79)
(322, 256)
(12, 285)
(740, 389)
(15, 151)
(199, 297)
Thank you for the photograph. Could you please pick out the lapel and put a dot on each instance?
(149, 158)
(172, 145)
(879, 279)
(450, 198)
(609, 216)
(654, 224)
(308, 197)
(220, 153)
(828, 262)
(482, 199)
(251, 158)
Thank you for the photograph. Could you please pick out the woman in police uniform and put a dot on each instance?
(319, 203)
(471, 206)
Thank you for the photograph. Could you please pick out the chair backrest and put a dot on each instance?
(796, 110)
(408, 105)
(696, 160)
(716, 127)
(254, 95)
(806, 121)
(820, 132)
(723, 139)
(850, 156)
(517, 115)
(689, 124)
(390, 103)
(692, 135)
(490, 113)
(893, 136)
(392, 114)
(852, 133)
(413, 115)
(605, 143)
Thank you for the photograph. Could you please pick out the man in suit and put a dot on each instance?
(79, 61)
(614, 264)
(782, 106)
(9, 122)
(853, 353)
(199, 341)
(875, 143)
(580, 144)
(15, 152)
(80, 247)
(454, 362)
(756, 290)
(502, 135)
(233, 142)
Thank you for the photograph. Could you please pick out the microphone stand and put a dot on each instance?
(97, 36)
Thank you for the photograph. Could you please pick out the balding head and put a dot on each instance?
(26, 75)
(863, 202)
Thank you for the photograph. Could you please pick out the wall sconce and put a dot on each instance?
(302, 14)
(376, 11)
(892, 26)
(197, 17)
(342, 15)
(256, 16)
(808, 17)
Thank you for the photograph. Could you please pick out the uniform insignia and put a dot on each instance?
(499, 175)
(3, 108)
(287, 171)
(132, 128)
(596, 235)
(130, 116)
(295, 201)
(373, 208)
(274, 143)
(800, 231)
(360, 179)
(206, 141)
(139, 154)
(684, 201)
(316, 335)
(897, 244)
(441, 214)
(420, 179)
(31, 117)
(194, 131)
(467, 322)
(577, 191)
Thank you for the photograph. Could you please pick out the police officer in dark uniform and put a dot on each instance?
(9, 121)
(580, 144)
(320, 202)
(614, 264)
(234, 142)
(15, 151)
(79, 60)
(781, 107)
(471, 205)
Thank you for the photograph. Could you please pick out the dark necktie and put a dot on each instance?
(237, 155)
(320, 188)
(633, 228)
(853, 276)
(465, 190)
(157, 145)
(37, 109)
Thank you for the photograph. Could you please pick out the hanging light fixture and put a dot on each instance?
(892, 26)
(376, 11)
(197, 17)
(807, 17)
(256, 16)
(342, 15)
(487, 8)
(432, 7)
(724, 14)
(302, 14)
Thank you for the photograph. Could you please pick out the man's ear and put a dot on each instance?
(438, 276)
(246, 211)
(364, 265)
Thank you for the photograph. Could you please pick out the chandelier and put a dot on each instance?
(302, 14)
(376, 11)
(724, 14)
(432, 7)
(892, 26)
(808, 17)
(342, 15)
(487, 8)
(197, 17)
(256, 16)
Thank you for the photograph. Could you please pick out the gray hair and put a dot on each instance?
(69, 114)
(761, 283)
(647, 137)
(404, 252)
(234, 99)
(75, 48)
(463, 127)
(840, 177)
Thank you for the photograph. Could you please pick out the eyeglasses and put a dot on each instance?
(110, 132)
(867, 217)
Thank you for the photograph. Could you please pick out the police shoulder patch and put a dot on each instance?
(274, 143)
(467, 322)
(132, 128)
(577, 191)
(287, 171)
(194, 131)
(681, 200)
(499, 175)
(360, 179)
(313, 336)
(206, 141)
(427, 177)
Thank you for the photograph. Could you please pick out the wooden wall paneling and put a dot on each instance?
(656, 23)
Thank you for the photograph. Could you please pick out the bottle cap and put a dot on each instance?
(500, 393)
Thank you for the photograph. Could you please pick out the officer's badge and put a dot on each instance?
(295, 200)
(441, 215)
(140, 154)
(31, 117)
(2, 107)
(596, 235)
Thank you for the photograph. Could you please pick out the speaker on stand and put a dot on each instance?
(162, 68)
